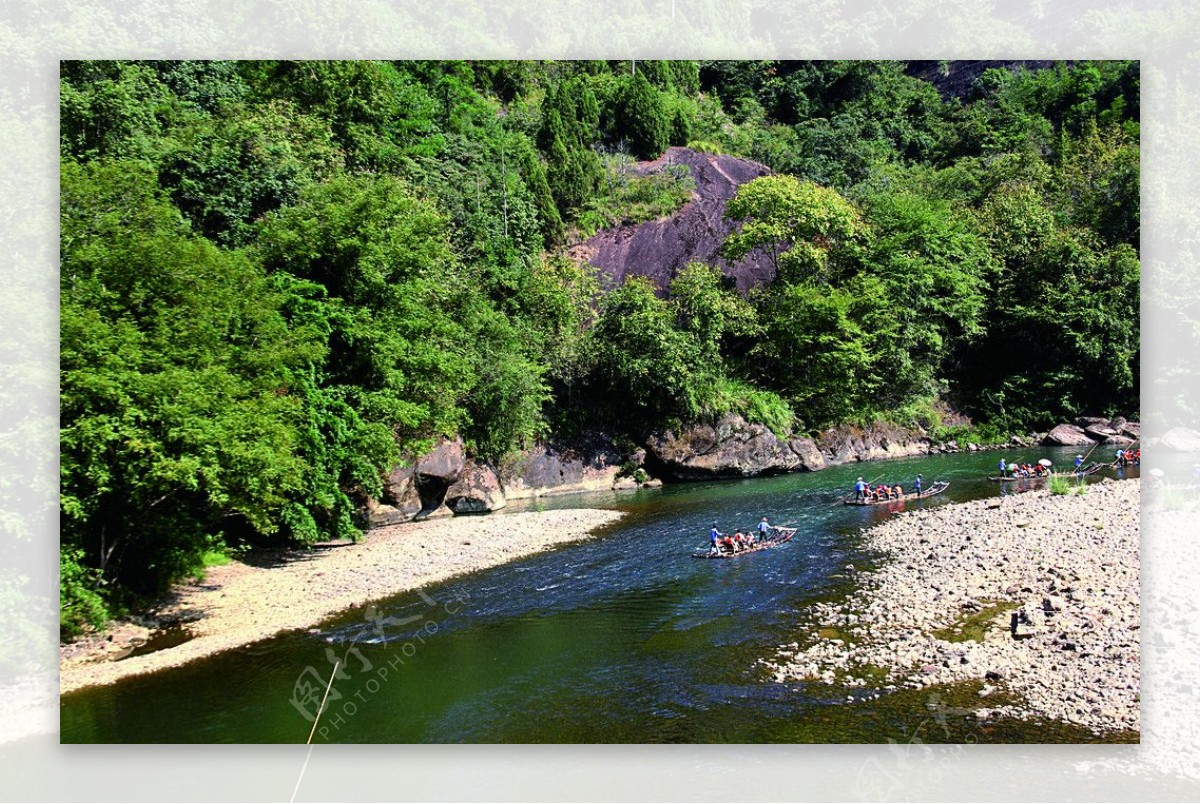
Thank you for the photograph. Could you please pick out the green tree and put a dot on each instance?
(935, 269)
(642, 118)
(806, 231)
(177, 421)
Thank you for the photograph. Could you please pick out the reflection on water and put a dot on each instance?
(621, 638)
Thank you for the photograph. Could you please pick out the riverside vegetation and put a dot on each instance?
(279, 277)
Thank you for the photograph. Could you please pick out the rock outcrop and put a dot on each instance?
(659, 249)
(477, 491)
(556, 469)
(730, 448)
(418, 490)
(400, 501)
(847, 444)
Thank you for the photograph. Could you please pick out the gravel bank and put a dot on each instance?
(1034, 593)
(241, 603)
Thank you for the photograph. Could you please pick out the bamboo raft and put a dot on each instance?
(780, 536)
(936, 488)
(1090, 469)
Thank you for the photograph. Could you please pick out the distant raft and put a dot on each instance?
(1090, 469)
(936, 488)
(778, 536)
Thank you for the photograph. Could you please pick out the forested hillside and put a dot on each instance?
(279, 277)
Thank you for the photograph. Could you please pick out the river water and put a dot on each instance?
(621, 638)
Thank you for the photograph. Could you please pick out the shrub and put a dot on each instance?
(80, 603)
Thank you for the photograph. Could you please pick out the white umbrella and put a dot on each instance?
(1046, 462)
(1156, 472)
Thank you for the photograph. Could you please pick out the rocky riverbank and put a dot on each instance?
(245, 602)
(1034, 594)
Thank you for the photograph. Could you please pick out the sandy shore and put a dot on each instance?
(1035, 594)
(242, 603)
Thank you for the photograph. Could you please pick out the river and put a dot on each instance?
(621, 638)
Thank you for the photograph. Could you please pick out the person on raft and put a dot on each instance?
(764, 528)
(1078, 462)
(917, 484)
(860, 490)
(714, 540)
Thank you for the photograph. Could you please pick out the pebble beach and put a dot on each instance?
(1033, 594)
(241, 603)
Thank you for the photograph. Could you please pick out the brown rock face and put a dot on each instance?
(476, 492)
(659, 249)
(730, 448)
(1067, 435)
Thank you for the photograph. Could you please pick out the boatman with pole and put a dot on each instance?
(918, 485)
(713, 536)
(1003, 467)
(763, 528)
(1078, 462)
(860, 490)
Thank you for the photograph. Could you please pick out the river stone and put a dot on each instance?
(1067, 435)
(1118, 440)
(476, 492)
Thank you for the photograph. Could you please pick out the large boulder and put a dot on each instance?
(1119, 440)
(400, 501)
(1067, 435)
(1099, 432)
(1181, 439)
(730, 448)
(1131, 429)
(444, 464)
(418, 490)
(476, 492)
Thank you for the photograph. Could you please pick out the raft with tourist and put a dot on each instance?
(865, 494)
(1042, 473)
(739, 543)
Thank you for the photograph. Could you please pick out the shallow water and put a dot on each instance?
(621, 638)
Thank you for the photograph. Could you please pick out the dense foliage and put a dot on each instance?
(279, 278)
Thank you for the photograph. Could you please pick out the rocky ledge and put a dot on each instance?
(1034, 594)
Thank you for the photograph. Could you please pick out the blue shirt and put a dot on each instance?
(713, 534)
(763, 527)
